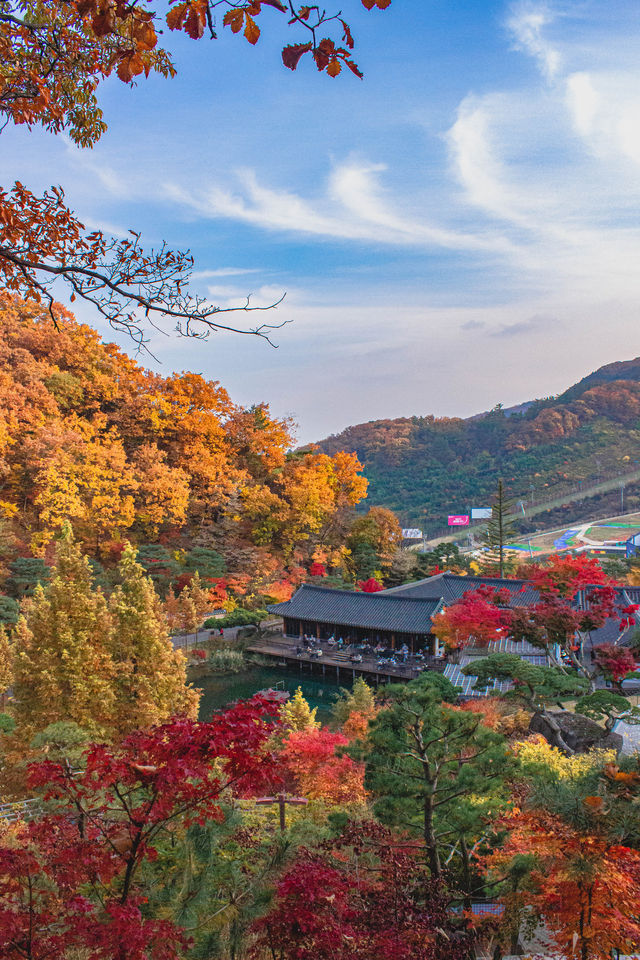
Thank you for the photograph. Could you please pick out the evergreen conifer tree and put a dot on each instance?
(500, 529)
(150, 680)
(62, 666)
(436, 770)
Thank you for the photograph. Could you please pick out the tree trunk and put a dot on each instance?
(558, 739)
(430, 840)
(466, 873)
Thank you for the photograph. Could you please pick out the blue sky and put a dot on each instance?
(456, 230)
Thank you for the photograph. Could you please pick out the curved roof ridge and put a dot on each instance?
(379, 594)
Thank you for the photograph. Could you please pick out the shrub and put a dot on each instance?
(7, 723)
(237, 618)
(226, 661)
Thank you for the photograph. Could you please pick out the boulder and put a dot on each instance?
(578, 733)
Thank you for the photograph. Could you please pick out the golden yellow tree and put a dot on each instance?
(85, 476)
(162, 492)
(296, 714)
(6, 666)
(63, 670)
(150, 682)
(188, 619)
(172, 610)
(108, 481)
(200, 595)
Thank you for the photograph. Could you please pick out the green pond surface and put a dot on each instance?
(220, 691)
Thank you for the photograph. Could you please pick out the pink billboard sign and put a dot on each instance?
(458, 520)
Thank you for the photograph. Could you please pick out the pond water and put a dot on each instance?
(219, 691)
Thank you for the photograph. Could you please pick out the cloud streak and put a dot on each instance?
(352, 208)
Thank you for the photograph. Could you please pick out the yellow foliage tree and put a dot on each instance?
(6, 666)
(188, 618)
(296, 714)
(150, 682)
(84, 477)
(200, 595)
(162, 491)
(63, 670)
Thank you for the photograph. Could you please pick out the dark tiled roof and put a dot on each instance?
(372, 611)
(611, 632)
(451, 587)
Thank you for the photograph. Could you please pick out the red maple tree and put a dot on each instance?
(614, 662)
(69, 879)
(479, 616)
(317, 771)
(370, 586)
(362, 897)
(584, 886)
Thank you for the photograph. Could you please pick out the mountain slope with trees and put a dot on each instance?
(426, 467)
(90, 437)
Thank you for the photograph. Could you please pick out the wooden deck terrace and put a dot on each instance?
(338, 665)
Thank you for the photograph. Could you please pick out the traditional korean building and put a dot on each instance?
(405, 615)
(375, 618)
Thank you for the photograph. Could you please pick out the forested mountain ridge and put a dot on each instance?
(426, 467)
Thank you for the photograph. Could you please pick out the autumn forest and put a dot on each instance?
(240, 719)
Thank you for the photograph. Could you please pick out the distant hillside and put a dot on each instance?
(426, 467)
(621, 370)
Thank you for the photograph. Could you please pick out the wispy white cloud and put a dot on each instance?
(101, 172)
(236, 296)
(225, 272)
(527, 23)
(352, 208)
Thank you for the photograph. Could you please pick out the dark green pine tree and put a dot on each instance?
(500, 529)
(436, 771)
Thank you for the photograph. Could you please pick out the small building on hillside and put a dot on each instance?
(633, 546)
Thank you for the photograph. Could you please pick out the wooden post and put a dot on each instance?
(281, 799)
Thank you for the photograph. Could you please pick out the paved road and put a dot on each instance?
(185, 641)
